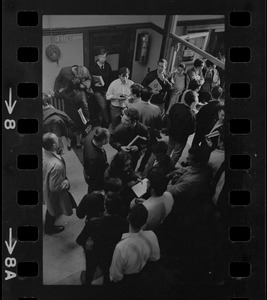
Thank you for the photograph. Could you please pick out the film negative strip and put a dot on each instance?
(43, 266)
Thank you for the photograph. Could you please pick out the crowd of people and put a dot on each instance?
(178, 214)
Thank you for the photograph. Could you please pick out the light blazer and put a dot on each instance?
(54, 173)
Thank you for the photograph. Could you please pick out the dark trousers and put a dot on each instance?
(135, 156)
(102, 102)
(145, 159)
(49, 221)
(91, 264)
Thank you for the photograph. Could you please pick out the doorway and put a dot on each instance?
(118, 42)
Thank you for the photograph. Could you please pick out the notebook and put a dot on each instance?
(98, 80)
(140, 188)
(155, 86)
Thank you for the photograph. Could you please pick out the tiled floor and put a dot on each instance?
(63, 259)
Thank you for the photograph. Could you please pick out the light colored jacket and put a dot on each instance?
(54, 173)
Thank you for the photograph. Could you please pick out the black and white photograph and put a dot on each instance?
(121, 212)
(132, 153)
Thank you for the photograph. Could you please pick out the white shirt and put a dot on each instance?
(132, 253)
(158, 208)
(117, 88)
(217, 157)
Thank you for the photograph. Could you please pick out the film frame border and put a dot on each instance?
(16, 144)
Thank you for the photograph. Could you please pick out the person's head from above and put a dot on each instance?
(112, 203)
(137, 217)
(124, 74)
(136, 90)
(207, 97)
(160, 149)
(216, 92)
(194, 85)
(210, 65)
(52, 143)
(181, 69)
(199, 64)
(112, 184)
(189, 98)
(221, 113)
(157, 182)
(198, 156)
(146, 94)
(102, 55)
(101, 136)
(46, 100)
(121, 162)
(130, 117)
(161, 65)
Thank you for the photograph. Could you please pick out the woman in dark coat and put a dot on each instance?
(120, 167)
(75, 102)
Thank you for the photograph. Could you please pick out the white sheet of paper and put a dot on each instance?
(140, 188)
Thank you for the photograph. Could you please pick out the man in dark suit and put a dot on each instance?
(102, 68)
(126, 131)
(95, 158)
(182, 124)
(207, 116)
(159, 96)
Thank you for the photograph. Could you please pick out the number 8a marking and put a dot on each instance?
(9, 124)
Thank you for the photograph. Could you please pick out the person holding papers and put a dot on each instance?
(120, 167)
(117, 93)
(160, 202)
(158, 81)
(130, 136)
(76, 107)
(102, 76)
(207, 116)
(213, 136)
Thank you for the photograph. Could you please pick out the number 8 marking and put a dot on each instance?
(9, 124)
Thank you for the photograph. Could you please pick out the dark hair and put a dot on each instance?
(138, 216)
(200, 154)
(198, 63)
(112, 184)
(48, 141)
(101, 134)
(158, 181)
(206, 97)
(123, 71)
(132, 113)
(189, 98)
(209, 63)
(101, 51)
(160, 147)
(216, 92)
(181, 65)
(162, 60)
(113, 203)
(136, 89)
(194, 84)
(146, 94)
(47, 99)
(118, 162)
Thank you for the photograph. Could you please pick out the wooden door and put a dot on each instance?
(120, 46)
